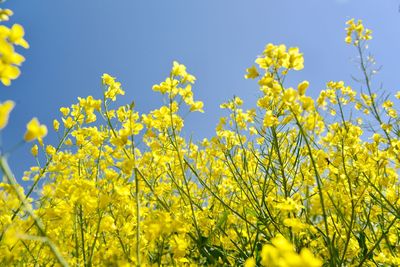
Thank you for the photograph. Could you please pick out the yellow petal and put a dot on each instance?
(34, 130)
(5, 109)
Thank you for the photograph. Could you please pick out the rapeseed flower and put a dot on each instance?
(34, 130)
(5, 109)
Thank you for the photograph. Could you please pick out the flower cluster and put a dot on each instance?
(9, 62)
(9, 59)
(276, 57)
(356, 32)
(281, 253)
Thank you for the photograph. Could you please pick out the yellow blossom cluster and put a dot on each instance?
(5, 14)
(294, 181)
(281, 253)
(9, 62)
(9, 59)
(356, 32)
(275, 57)
(113, 87)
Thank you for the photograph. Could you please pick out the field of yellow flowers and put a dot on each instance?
(295, 181)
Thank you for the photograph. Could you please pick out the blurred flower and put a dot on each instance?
(5, 109)
(34, 130)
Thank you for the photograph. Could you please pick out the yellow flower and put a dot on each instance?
(282, 253)
(308, 259)
(270, 119)
(107, 79)
(252, 73)
(357, 31)
(35, 150)
(8, 73)
(178, 69)
(34, 130)
(296, 59)
(114, 88)
(56, 125)
(250, 262)
(302, 87)
(16, 36)
(50, 150)
(5, 109)
(295, 224)
(197, 106)
(289, 96)
(5, 14)
(69, 122)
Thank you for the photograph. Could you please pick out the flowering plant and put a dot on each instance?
(295, 181)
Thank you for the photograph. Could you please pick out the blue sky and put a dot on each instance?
(74, 42)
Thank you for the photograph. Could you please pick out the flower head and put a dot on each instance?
(5, 109)
(34, 130)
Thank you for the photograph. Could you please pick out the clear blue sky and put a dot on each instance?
(74, 42)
